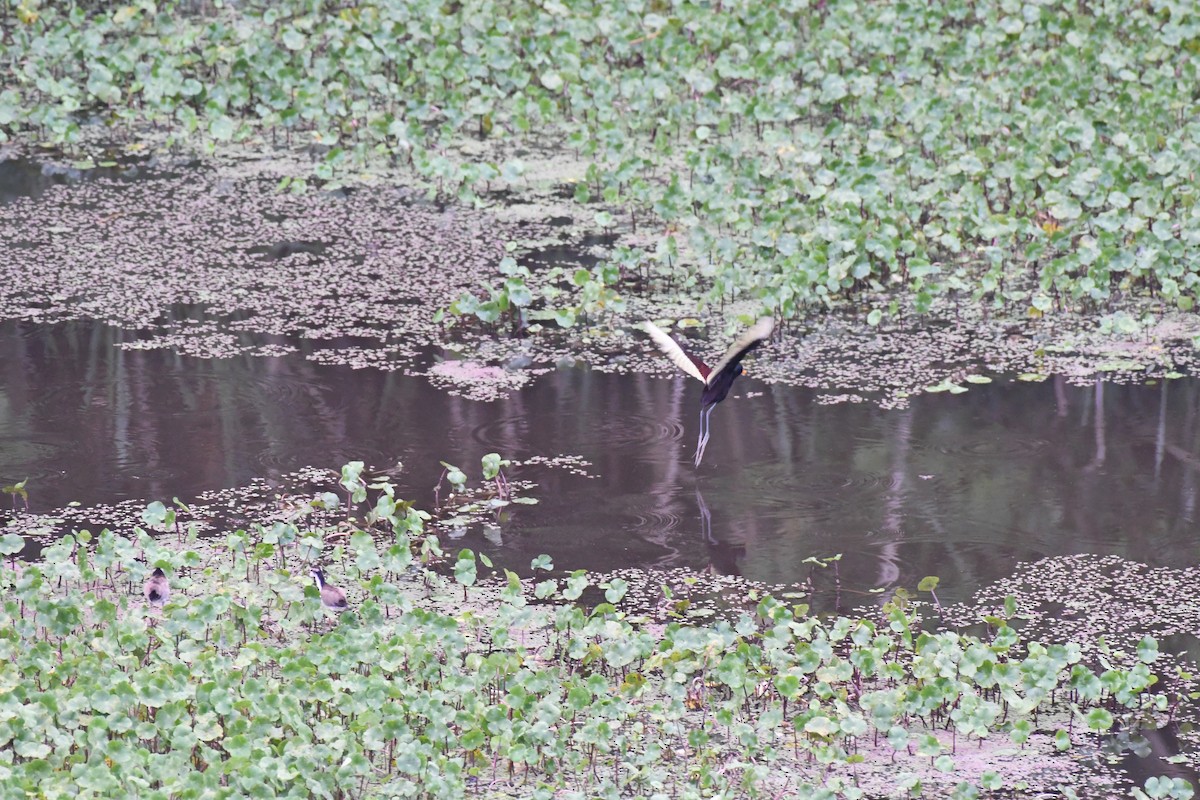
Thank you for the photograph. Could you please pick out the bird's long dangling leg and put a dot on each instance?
(705, 430)
(717, 379)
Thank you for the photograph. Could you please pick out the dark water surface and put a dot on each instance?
(961, 486)
(20, 177)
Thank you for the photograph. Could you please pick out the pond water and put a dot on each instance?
(22, 177)
(959, 486)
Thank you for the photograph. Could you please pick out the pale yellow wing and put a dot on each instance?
(677, 354)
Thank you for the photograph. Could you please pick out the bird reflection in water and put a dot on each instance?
(723, 557)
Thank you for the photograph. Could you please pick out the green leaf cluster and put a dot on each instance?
(1034, 155)
(242, 683)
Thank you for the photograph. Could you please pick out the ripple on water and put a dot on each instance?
(278, 460)
(614, 433)
(23, 458)
(1012, 444)
(287, 390)
(986, 532)
(510, 435)
(652, 523)
(630, 431)
(790, 492)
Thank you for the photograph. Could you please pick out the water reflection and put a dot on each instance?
(723, 557)
(1152, 753)
(959, 486)
(21, 178)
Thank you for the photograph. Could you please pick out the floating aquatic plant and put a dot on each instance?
(1037, 160)
(238, 683)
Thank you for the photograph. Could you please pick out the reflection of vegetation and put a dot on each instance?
(225, 687)
(17, 490)
(466, 504)
(1033, 155)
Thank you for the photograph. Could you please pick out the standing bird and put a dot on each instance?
(157, 590)
(718, 378)
(332, 597)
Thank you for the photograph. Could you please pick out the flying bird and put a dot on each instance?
(718, 378)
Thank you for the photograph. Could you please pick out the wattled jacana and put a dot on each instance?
(718, 378)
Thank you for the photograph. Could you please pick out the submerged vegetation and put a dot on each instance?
(1028, 156)
(244, 683)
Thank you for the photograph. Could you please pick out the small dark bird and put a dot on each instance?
(331, 596)
(718, 378)
(156, 589)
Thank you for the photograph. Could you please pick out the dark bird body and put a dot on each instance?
(156, 589)
(717, 379)
(331, 596)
